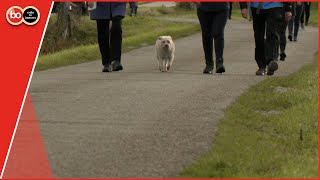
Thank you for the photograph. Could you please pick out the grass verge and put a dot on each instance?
(313, 20)
(269, 131)
(133, 38)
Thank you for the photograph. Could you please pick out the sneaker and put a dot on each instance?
(107, 68)
(116, 66)
(261, 72)
(295, 39)
(208, 70)
(272, 67)
(302, 26)
(290, 37)
(283, 56)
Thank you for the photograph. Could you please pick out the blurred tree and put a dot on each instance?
(68, 16)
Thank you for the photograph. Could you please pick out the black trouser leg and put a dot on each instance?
(206, 21)
(283, 39)
(116, 39)
(307, 9)
(259, 22)
(290, 25)
(103, 40)
(135, 11)
(302, 15)
(297, 20)
(274, 23)
(230, 9)
(219, 23)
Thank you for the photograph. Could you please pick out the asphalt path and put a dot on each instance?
(142, 123)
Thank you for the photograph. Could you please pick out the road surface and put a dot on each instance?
(142, 123)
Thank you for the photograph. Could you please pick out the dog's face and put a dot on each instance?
(166, 42)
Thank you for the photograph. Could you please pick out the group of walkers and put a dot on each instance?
(270, 21)
(301, 12)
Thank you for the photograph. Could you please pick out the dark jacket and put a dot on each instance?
(107, 10)
(213, 6)
(287, 6)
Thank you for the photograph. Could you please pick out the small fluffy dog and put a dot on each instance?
(165, 52)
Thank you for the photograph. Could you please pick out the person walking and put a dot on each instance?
(267, 20)
(307, 6)
(230, 9)
(302, 17)
(133, 9)
(109, 39)
(213, 18)
(295, 21)
(283, 37)
(250, 12)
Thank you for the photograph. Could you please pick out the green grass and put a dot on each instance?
(140, 3)
(180, 13)
(313, 21)
(137, 32)
(266, 132)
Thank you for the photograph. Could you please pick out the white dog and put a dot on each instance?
(165, 52)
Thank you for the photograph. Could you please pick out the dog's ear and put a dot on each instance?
(160, 38)
(169, 37)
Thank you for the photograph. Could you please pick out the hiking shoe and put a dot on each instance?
(261, 72)
(107, 68)
(290, 37)
(283, 56)
(208, 70)
(116, 66)
(220, 68)
(272, 67)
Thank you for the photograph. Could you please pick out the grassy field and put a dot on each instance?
(137, 32)
(269, 131)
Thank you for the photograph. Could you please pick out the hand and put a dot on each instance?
(244, 13)
(92, 5)
(288, 16)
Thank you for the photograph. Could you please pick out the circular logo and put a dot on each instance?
(14, 15)
(31, 15)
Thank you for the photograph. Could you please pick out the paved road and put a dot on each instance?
(141, 122)
(158, 4)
